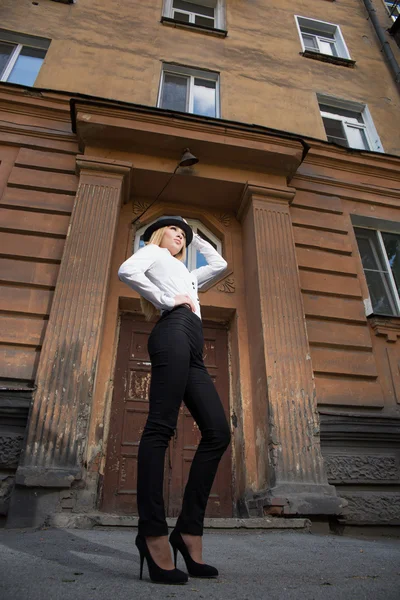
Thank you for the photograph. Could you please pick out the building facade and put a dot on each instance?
(292, 109)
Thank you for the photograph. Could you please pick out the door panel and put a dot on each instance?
(128, 417)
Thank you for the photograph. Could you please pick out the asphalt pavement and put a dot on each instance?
(103, 564)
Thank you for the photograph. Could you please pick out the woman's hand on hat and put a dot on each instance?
(184, 299)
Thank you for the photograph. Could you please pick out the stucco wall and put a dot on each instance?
(115, 50)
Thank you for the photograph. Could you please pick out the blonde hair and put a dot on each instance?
(148, 309)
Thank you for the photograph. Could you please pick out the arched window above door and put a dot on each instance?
(194, 258)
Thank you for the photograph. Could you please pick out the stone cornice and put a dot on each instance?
(345, 427)
(35, 102)
(34, 131)
(388, 327)
(340, 186)
(36, 118)
(185, 122)
(102, 165)
(372, 164)
(253, 141)
(158, 132)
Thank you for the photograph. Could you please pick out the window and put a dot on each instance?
(321, 37)
(194, 258)
(393, 7)
(21, 57)
(189, 90)
(349, 124)
(188, 12)
(206, 13)
(380, 256)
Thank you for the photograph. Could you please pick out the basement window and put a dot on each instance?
(21, 57)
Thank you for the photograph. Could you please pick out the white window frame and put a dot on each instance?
(191, 74)
(191, 251)
(393, 9)
(321, 27)
(392, 282)
(11, 61)
(20, 41)
(367, 126)
(218, 5)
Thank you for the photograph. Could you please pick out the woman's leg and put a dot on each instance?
(204, 404)
(169, 350)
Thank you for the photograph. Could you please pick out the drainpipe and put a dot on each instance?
(386, 49)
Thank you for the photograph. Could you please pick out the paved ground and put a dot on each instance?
(103, 564)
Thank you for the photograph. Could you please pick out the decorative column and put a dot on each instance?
(54, 451)
(291, 475)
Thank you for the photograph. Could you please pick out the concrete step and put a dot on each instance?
(98, 519)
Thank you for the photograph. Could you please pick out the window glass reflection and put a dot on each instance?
(27, 66)
(5, 54)
(174, 92)
(379, 291)
(376, 273)
(392, 247)
(204, 98)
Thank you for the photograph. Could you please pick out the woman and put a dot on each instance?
(159, 274)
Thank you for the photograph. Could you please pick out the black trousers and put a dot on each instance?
(178, 373)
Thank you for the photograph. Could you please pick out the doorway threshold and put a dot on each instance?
(70, 520)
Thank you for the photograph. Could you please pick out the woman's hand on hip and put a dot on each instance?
(185, 299)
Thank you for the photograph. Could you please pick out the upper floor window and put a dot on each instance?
(380, 256)
(349, 124)
(21, 57)
(321, 37)
(194, 258)
(206, 13)
(189, 12)
(189, 90)
(393, 7)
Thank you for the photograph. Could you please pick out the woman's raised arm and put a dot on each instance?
(216, 264)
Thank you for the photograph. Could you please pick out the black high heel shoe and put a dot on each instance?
(194, 568)
(157, 575)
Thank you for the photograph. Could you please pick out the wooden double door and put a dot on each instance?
(128, 417)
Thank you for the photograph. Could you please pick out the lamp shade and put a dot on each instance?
(188, 159)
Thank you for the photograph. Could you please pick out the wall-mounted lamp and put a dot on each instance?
(188, 160)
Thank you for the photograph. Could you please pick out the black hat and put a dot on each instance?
(164, 222)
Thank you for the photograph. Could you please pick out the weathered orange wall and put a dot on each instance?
(115, 50)
(37, 189)
(349, 368)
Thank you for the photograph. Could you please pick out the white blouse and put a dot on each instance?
(157, 276)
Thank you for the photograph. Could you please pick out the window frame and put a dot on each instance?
(371, 134)
(219, 14)
(12, 60)
(193, 15)
(20, 41)
(319, 26)
(191, 73)
(392, 15)
(195, 224)
(391, 282)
